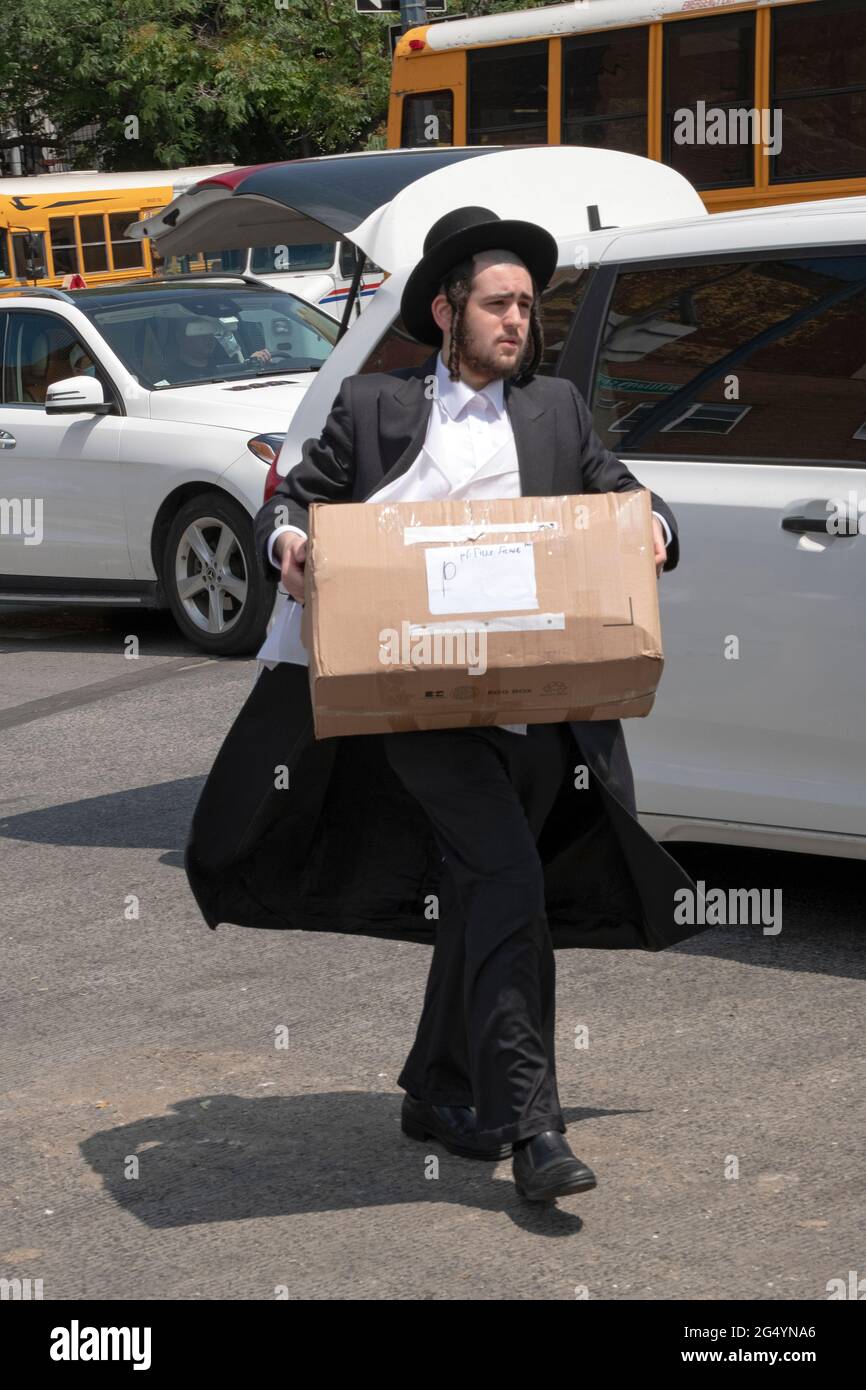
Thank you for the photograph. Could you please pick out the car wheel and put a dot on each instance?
(217, 593)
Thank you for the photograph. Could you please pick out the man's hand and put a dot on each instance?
(660, 554)
(291, 550)
(262, 355)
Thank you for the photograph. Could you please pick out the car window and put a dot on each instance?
(40, 349)
(188, 335)
(559, 302)
(758, 359)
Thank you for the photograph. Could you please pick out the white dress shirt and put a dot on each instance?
(468, 451)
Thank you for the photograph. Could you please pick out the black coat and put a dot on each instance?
(344, 847)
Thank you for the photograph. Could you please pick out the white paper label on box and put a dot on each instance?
(481, 578)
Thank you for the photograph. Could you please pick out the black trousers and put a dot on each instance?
(486, 1034)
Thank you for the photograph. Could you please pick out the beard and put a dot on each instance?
(487, 361)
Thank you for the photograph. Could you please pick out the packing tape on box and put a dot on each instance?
(471, 531)
(511, 622)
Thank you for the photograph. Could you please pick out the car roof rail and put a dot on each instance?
(48, 292)
(207, 275)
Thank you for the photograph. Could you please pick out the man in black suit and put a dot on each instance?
(474, 420)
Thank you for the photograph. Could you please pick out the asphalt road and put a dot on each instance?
(155, 1143)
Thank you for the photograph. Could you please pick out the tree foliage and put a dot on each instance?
(173, 82)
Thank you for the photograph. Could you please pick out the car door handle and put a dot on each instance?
(7, 440)
(845, 521)
(804, 523)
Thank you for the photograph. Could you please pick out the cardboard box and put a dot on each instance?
(448, 614)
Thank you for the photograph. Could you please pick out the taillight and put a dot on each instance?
(272, 481)
(267, 448)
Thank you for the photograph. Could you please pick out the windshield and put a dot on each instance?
(183, 336)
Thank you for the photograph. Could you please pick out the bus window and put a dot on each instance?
(198, 262)
(314, 255)
(93, 245)
(507, 95)
(233, 262)
(819, 66)
(428, 119)
(349, 256)
(5, 263)
(64, 251)
(604, 90)
(125, 254)
(29, 251)
(711, 60)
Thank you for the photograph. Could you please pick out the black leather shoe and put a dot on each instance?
(545, 1168)
(454, 1126)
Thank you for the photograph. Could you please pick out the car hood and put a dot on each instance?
(255, 405)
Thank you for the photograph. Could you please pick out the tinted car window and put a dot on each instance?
(558, 304)
(760, 359)
(41, 349)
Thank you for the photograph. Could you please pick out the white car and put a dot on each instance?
(137, 426)
(724, 359)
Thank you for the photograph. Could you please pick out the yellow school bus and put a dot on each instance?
(755, 103)
(56, 225)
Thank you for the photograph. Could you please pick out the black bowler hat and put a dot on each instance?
(458, 235)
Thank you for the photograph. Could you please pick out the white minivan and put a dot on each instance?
(724, 359)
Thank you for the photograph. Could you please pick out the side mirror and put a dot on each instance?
(77, 395)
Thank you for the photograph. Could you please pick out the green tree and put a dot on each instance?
(171, 82)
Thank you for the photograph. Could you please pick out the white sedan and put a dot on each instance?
(137, 426)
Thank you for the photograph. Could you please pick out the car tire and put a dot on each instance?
(212, 577)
